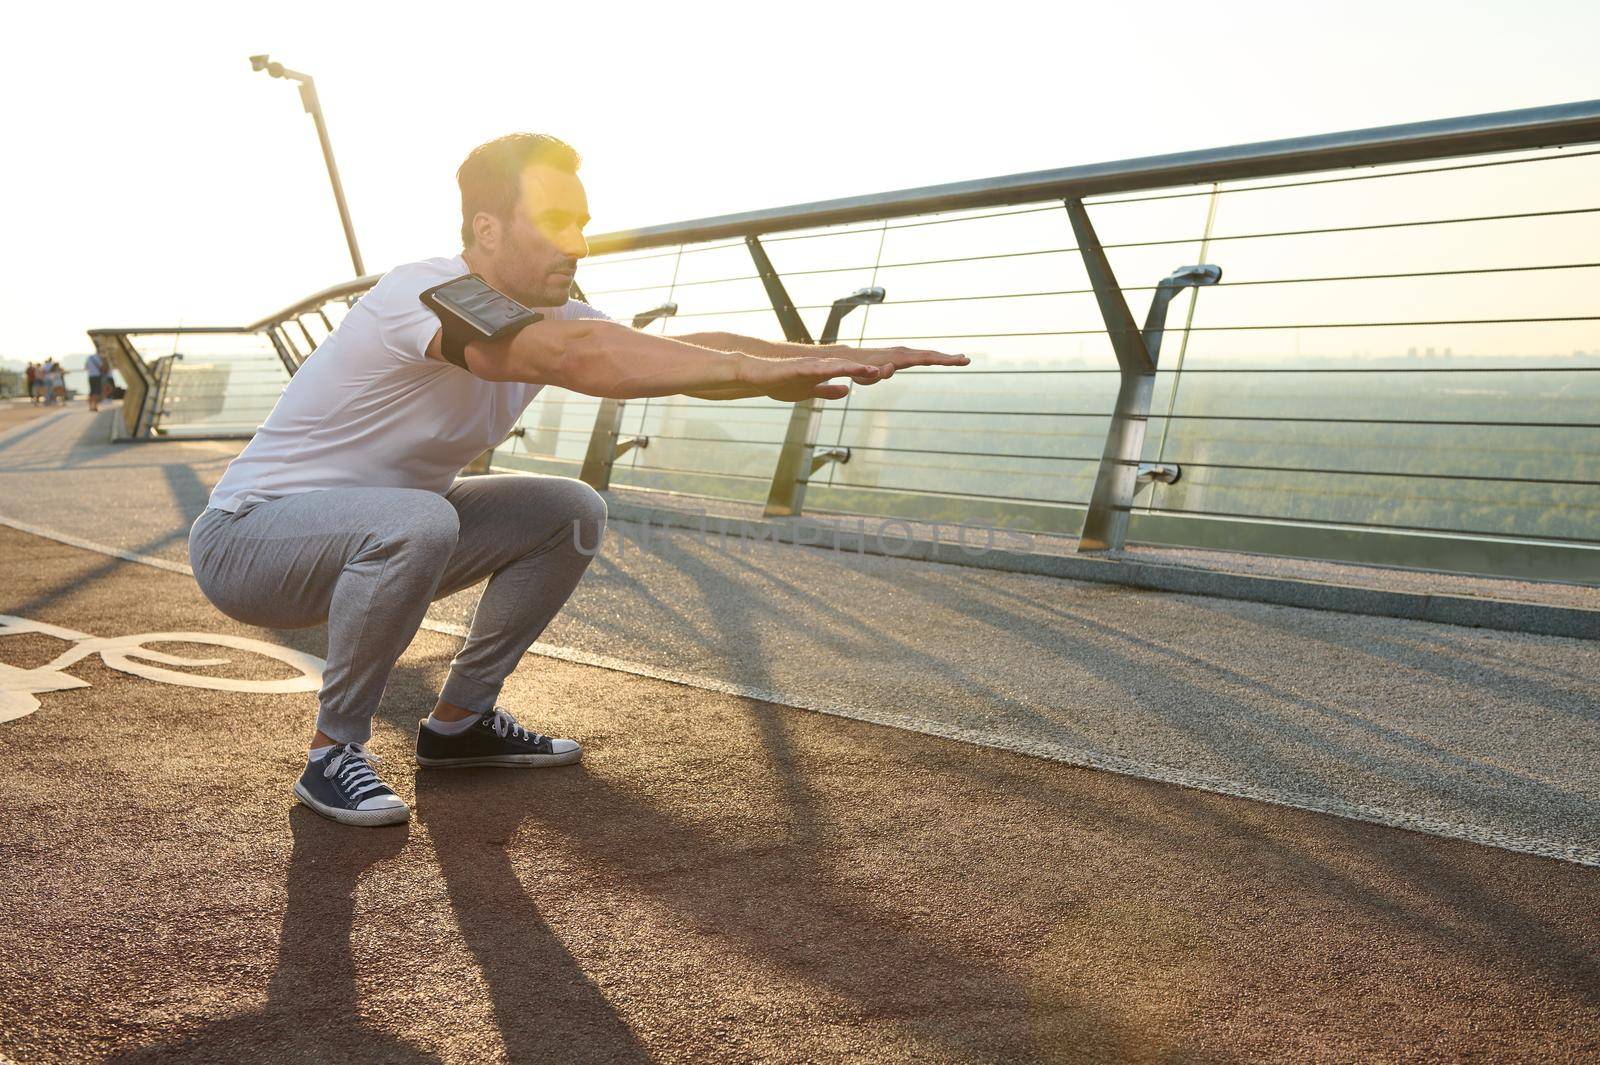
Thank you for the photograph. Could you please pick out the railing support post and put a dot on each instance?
(786, 494)
(801, 459)
(798, 459)
(140, 395)
(605, 447)
(1105, 526)
(161, 372)
(284, 356)
(794, 330)
(603, 451)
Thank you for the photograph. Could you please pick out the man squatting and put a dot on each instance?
(345, 507)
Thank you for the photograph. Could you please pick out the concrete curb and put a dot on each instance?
(1501, 614)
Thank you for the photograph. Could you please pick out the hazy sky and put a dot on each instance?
(151, 178)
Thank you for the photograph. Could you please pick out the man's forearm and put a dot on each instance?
(610, 360)
(726, 392)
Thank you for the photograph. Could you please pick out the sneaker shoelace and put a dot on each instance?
(504, 724)
(351, 767)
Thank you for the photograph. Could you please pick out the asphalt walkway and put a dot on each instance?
(722, 879)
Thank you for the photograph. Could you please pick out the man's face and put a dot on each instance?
(540, 245)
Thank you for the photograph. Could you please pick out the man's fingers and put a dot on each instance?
(823, 369)
(877, 365)
(902, 357)
(830, 391)
(919, 357)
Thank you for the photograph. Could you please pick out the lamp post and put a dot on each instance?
(308, 97)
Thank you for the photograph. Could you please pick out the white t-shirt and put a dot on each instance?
(370, 409)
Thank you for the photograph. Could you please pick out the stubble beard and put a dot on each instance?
(544, 296)
(535, 293)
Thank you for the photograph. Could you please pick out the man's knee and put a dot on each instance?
(587, 505)
(578, 510)
(527, 512)
(586, 510)
(563, 497)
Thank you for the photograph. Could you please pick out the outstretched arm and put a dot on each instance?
(612, 361)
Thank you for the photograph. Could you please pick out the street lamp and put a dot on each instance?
(308, 97)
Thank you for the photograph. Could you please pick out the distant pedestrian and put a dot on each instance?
(55, 383)
(35, 383)
(95, 367)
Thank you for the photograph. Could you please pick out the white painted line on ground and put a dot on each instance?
(1073, 756)
(90, 545)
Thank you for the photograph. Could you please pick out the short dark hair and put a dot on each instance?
(491, 178)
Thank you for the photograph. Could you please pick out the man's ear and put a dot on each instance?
(486, 231)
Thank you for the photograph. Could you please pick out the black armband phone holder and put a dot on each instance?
(470, 309)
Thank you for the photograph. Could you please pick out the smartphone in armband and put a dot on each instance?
(469, 309)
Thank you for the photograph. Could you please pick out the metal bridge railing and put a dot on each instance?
(1397, 363)
(1379, 346)
(217, 381)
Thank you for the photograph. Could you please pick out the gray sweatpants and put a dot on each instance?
(368, 561)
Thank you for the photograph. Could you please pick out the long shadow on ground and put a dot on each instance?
(775, 900)
(312, 1013)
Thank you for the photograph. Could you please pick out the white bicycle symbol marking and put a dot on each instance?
(128, 654)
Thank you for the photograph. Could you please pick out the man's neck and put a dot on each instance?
(477, 264)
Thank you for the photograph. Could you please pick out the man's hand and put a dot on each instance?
(792, 380)
(888, 360)
(791, 376)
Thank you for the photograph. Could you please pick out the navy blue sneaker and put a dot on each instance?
(341, 785)
(494, 739)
